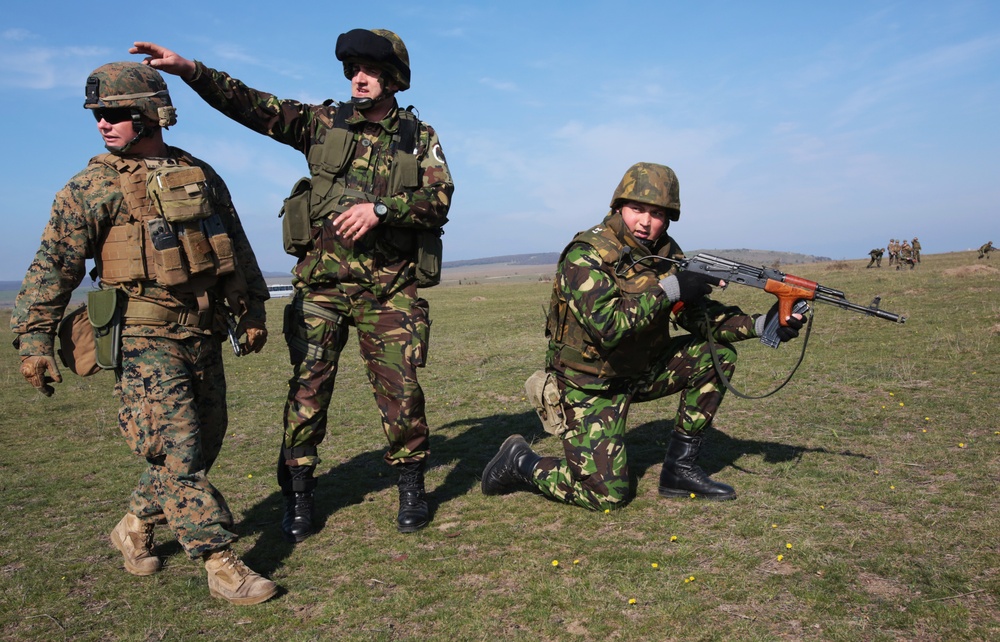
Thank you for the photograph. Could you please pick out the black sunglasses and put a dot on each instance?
(113, 115)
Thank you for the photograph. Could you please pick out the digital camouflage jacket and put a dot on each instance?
(609, 319)
(380, 262)
(82, 215)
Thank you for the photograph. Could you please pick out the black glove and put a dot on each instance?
(784, 332)
(694, 285)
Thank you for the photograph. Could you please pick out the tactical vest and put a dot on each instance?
(169, 232)
(575, 347)
(329, 160)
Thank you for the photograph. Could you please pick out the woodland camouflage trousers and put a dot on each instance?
(594, 472)
(174, 415)
(392, 337)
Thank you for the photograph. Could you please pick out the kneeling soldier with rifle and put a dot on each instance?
(613, 303)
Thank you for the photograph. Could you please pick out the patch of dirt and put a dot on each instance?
(970, 270)
(880, 587)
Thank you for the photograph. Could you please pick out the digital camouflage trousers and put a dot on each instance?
(392, 337)
(594, 472)
(173, 414)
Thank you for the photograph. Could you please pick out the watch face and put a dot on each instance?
(381, 210)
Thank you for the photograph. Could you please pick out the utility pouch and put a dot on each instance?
(430, 250)
(542, 390)
(77, 348)
(180, 193)
(222, 245)
(296, 226)
(170, 267)
(104, 310)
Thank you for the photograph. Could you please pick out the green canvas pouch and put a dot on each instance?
(296, 226)
(105, 315)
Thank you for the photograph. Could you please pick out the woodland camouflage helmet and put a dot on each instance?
(379, 47)
(133, 85)
(651, 184)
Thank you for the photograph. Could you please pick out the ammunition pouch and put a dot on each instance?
(296, 224)
(104, 310)
(430, 250)
(321, 341)
(77, 348)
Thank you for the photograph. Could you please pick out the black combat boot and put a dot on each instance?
(681, 476)
(297, 484)
(511, 468)
(414, 513)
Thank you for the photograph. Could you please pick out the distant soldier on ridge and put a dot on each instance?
(876, 256)
(985, 250)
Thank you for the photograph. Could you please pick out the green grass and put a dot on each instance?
(857, 464)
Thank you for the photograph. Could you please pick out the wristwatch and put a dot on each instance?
(381, 211)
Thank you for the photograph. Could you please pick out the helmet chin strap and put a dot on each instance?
(364, 104)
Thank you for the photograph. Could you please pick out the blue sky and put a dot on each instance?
(821, 128)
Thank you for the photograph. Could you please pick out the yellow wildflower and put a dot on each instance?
(555, 562)
(781, 557)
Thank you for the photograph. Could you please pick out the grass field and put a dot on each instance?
(867, 491)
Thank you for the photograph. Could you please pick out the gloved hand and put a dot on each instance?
(34, 367)
(255, 332)
(785, 332)
(687, 286)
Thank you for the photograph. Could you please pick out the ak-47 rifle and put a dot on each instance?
(791, 290)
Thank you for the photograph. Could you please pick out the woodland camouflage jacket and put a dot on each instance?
(609, 319)
(380, 261)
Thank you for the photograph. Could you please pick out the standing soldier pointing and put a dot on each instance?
(379, 195)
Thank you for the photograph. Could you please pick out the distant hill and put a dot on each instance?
(753, 257)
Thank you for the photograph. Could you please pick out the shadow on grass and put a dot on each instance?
(647, 446)
(467, 446)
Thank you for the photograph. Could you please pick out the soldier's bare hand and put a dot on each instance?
(163, 59)
(355, 222)
(37, 370)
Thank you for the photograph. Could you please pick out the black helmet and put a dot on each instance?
(379, 47)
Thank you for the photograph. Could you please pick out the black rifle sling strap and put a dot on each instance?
(725, 380)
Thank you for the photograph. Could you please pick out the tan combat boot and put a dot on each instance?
(135, 541)
(232, 580)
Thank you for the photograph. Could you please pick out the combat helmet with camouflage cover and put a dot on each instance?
(133, 85)
(379, 47)
(651, 184)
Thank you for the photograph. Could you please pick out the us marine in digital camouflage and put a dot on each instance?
(171, 254)
(379, 195)
(609, 337)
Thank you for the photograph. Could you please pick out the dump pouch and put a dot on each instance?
(105, 314)
(429, 253)
(77, 348)
(181, 193)
(296, 226)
